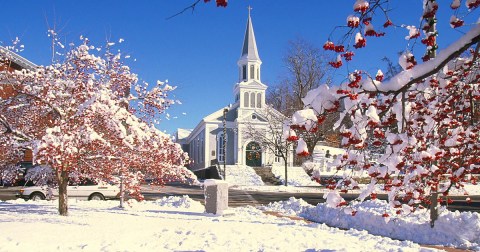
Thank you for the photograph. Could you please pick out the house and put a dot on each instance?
(10, 61)
(219, 137)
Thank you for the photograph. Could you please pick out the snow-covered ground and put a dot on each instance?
(180, 224)
(461, 230)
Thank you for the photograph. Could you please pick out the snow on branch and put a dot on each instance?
(405, 79)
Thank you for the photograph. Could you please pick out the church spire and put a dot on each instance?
(249, 62)
(249, 49)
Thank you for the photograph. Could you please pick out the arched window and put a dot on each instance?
(244, 72)
(252, 100)
(258, 73)
(202, 154)
(198, 149)
(252, 72)
(221, 155)
(245, 99)
(259, 100)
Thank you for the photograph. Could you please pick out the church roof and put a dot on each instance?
(249, 50)
(217, 116)
(183, 133)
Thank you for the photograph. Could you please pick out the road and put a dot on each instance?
(242, 198)
(253, 198)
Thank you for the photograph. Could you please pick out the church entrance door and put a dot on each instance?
(254, 154)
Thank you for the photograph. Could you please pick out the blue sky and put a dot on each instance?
(197, 52)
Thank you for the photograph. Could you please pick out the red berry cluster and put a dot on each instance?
(303, 154)
(348, 56)
(374, 33)
(361, 8)
(292, 138)
(329, 46)
(472, 5)
(339, 48)
(335, 64)
(360, 43)
(387, 24)
(411, 61)
(456, 23)
(321, 119)
(429, 41)
(379, 77)
(431, 10)
(357, 77)
(353, 23)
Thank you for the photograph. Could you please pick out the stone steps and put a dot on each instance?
(267, 176)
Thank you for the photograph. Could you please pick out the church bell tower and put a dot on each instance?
(249, 91)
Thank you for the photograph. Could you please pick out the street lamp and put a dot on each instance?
(225, 110)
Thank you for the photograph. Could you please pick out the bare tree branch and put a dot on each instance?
(192, 6)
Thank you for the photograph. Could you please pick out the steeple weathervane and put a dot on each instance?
(249, 9)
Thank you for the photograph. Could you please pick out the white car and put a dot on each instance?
(86, 191)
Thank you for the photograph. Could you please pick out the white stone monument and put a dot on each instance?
(216, 196)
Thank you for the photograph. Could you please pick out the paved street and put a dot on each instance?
(242, 198)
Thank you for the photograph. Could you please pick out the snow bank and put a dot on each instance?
(455, 229)
(242, 175)
(296, 176)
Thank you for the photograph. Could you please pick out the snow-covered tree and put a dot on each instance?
(87, 128)
(424, 118)
(272, 138)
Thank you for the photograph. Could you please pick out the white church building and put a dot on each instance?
(205, 143)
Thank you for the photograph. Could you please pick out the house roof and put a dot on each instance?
(17, 59)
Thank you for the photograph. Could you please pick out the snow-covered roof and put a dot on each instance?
(183, 133)
(17, 59)
(217, 116)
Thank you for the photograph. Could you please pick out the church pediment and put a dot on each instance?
(252, 85)
(252, 116)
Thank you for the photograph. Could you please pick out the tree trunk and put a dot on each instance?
(286, 173)
(433, 209)
(62, 177)
(432, 54)
(122, 192)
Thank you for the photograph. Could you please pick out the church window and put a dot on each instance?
(259, 100)
(198, 149)
(277, 158)
(258, 73)
(252, 72)
(245, 99)
(277, 152)
(221, 154)
(252, 100)
(244, 72)
(202, 154)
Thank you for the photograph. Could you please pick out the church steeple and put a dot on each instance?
(249, 62)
